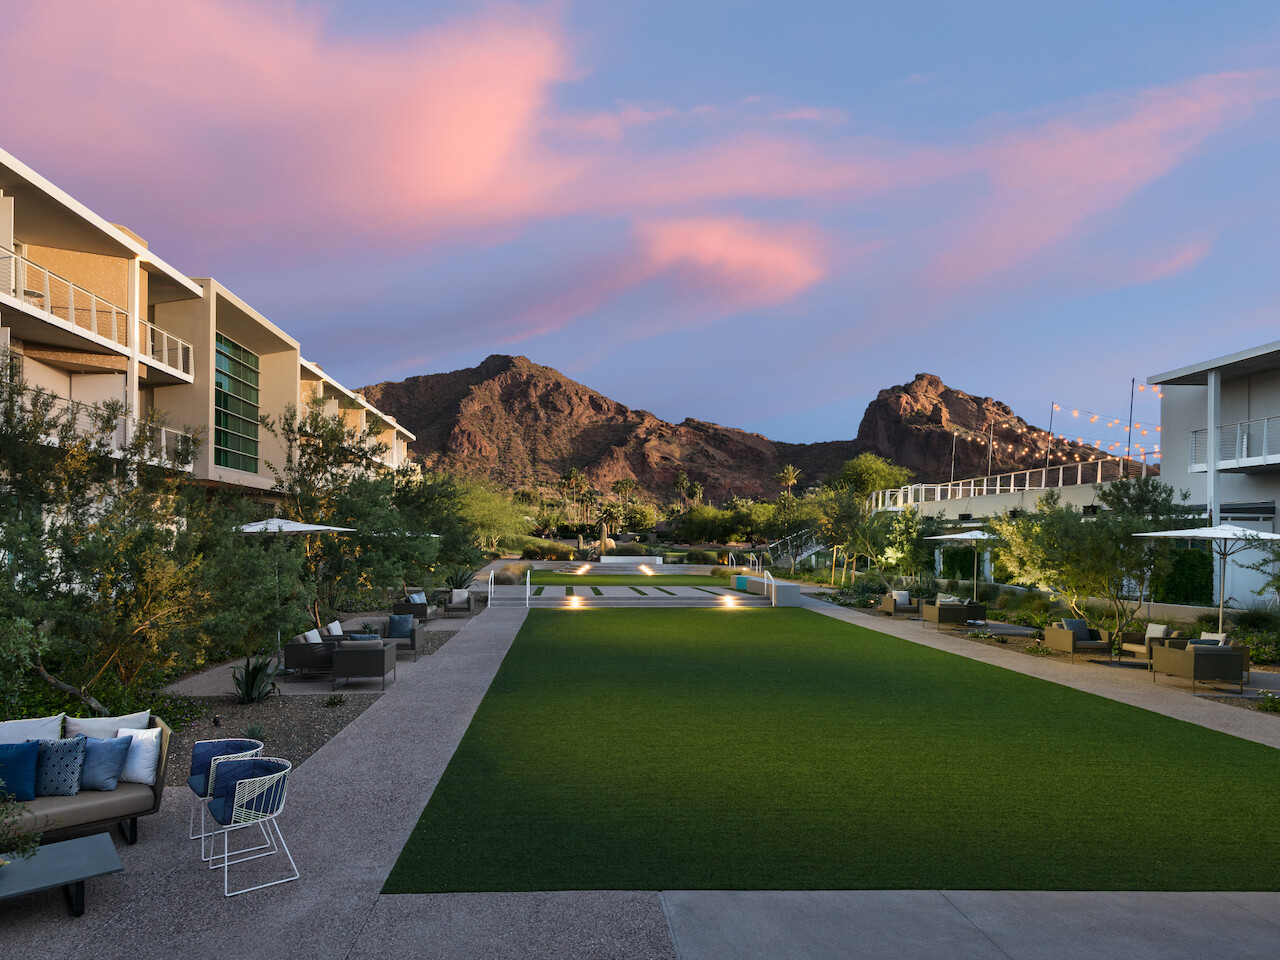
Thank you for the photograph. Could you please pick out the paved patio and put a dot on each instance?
(353, 803)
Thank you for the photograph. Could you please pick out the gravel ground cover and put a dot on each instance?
(777, 749)
(294, 726)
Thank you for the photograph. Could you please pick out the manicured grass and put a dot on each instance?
(552, 578)
(651, 749)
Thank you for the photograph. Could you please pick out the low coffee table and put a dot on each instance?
(68, 863)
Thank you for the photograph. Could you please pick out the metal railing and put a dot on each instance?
(163, 347)
(528, 587)
(771, 588)
(1255, 441)
(165, 444)
(1065, 475)
(47, 292)
(71, 303)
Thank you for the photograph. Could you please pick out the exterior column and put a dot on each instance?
(1211, 454)
(135, 346)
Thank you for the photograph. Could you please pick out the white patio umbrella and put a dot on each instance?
(974, 537)
(288, 528)
(1225, 539)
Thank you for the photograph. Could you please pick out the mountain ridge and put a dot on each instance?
(522, 424)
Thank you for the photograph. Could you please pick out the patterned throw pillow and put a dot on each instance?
(58, 767)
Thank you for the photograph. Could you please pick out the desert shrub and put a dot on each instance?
(869, 584)
(629, 550)
(699, 556)
(548, 551)
(1257, 620)
(511, 573)
(1264, 648)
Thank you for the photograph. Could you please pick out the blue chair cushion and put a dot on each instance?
(400, 626)
(18, 769)
(58, 766)
(199, 784)
(222, 804)
(204, 752)
(104, 762)
(1079, 628)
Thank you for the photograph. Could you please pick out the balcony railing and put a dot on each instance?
(58, 297)
(163, 347)
(164, 447)
(1248, 443)
(1065, 475)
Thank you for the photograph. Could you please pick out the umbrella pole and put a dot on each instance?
(1222, 586)
(975, 571)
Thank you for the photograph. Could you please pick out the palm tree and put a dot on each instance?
(788, 476)
(622, 488)
(695, 492)
(681, 483)
(574, 484)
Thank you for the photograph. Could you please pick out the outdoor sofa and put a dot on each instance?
(1199, 662)
(1138, 646)
(461, 603)
(92, 811)
(899, 601)
(944, 609)
(1075, 636)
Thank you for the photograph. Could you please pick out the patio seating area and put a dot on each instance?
(339, 847)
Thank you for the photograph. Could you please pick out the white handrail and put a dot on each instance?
(771, 588)
(1040, 478)
(528, 581)
(489, 601)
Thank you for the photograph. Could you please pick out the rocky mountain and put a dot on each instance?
(524, 425)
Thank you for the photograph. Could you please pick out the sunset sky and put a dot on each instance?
(756, 214)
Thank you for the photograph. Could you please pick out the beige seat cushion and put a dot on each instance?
(88, 806)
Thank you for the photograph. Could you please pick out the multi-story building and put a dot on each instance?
(92, 315)
(1220, 423)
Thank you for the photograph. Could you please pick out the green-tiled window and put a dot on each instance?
(235, 397)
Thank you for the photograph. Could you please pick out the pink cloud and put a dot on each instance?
(701, 267)
(1044, 183)
(736, 263)
(1185, 258)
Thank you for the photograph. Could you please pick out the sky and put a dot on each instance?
(754, 214)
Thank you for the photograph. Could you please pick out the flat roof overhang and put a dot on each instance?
(50, 217)
(1243, 363)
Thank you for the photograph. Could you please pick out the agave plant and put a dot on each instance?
(256, 680)
(460, 577)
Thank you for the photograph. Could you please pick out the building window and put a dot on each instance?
(235, 399)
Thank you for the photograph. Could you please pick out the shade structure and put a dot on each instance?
(974, 537)
(1224, 539)
(287, 527)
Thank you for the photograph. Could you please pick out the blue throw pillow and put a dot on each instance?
(400, 626)
(363, 636)
(18, 769)
(103, 762)
(58, 767)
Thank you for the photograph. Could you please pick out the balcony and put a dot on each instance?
(163, 349)
(71, 307)
(87, 420)
(1243, 446)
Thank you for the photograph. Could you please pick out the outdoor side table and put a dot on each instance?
(68, 864)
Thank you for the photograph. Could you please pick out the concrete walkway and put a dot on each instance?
(353, 804)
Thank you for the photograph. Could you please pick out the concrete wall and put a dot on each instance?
(108, 277)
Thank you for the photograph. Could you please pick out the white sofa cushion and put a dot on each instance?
(144, 756)
(37, 728)
(104, 728)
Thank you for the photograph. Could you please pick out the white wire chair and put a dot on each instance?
(206, 755)
(249, 793)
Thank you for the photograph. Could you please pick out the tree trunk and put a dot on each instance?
(88, 700)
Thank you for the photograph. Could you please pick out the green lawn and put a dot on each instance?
(551, 579)
(779, 749)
